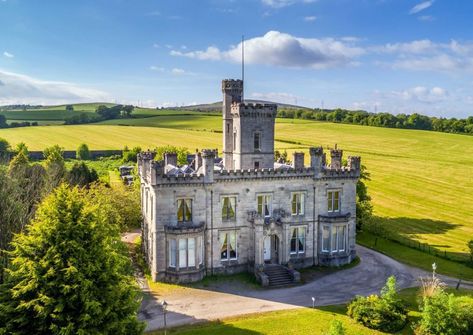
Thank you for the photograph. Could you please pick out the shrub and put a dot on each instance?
(81, 175)
(445, 314)
(470, 247)
(82, 152)
(336, 328)
(385, 312)
(130, 155)
(180, 151)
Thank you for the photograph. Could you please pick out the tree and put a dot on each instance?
(127, 110)
(364, 208)
(55, 166)
(180, 151)
(3, 122)
(80, 175)
(130, 155)
(4, 151)
(70, 273)
(69, 108)
(83, 152)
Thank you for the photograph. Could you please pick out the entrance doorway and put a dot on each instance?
(271, 249)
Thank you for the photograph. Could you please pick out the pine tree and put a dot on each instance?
(69, 274)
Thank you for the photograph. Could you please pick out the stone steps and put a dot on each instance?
(278, 275)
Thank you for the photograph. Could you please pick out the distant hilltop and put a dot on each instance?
(217, 106)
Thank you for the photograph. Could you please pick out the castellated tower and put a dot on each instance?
(253, 135)
(232, 93)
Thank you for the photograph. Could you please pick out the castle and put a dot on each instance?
(246, 212)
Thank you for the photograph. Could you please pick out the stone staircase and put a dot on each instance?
(278, 275)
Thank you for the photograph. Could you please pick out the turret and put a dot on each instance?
(354, 163)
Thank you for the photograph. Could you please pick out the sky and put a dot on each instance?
(397, 56)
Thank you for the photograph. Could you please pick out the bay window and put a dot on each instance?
(334, 238)
(183, 252)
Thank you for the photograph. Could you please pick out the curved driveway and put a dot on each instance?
(189, 305)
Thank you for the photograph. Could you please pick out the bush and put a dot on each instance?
(180, 151)
(445, 314)
(130, 155)
(81, 175)
(82, 152)
(336, 328)
(385, 312)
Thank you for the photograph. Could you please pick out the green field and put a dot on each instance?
(421, 181)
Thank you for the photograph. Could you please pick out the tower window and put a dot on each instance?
(256, 165)
(257, 141)
(234, 140)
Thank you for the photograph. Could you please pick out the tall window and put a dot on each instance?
(184, 210)
(228, 208)
(264, 205)
(257, 141)
(334, 238)
(297, 240)
(298, 204)
(333, 201)
(172, 253)
(326, 238)
(228, 246)
(182, 253)
(151, 207)
(234, 140)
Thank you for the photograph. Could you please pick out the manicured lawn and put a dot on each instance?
(421, 181)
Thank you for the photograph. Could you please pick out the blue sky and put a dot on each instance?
(378, 55)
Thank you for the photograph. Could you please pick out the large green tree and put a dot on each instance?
(70, 273)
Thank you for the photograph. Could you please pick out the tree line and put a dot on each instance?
(102, 113)
(386, 120)
(4, 124)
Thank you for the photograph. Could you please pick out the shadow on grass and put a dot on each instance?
(406, 231)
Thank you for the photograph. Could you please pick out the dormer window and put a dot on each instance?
(257, 141)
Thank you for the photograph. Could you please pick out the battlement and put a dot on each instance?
(232, 84)
(239, 109)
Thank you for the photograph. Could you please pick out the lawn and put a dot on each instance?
(421, 180)
(299, 321)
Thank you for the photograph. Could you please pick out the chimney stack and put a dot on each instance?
(208, 161)
(298, 160)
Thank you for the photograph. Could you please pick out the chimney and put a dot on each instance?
(298, 160)
(317, 159)
(170, 158)
(198, 161)
(336, 159)
(208, 159)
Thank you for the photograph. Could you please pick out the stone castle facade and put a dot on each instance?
(245, 211)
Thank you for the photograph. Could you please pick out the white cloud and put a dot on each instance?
(414, 47)
(422, 94)
(21, 89)
(178, 71)
(284, 3)
(156, 68)
(426, 18)
(310, 18)
(280, 49)
(8, 55)
(421, 6)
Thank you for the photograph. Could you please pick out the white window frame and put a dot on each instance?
(270, 205)
(334, 238)
(226, 234)
(191, 208)
(172, 251)
(302, 203)
(297, 230)
(222, 199)
(331, 200)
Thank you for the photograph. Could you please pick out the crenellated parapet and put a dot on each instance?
(254, 110)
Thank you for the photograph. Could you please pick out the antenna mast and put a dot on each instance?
(243, 67)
